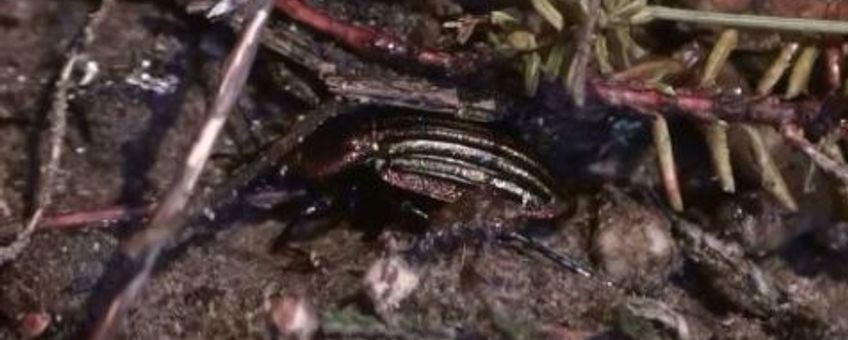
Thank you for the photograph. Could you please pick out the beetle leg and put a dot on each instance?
(474, 221)
(562, 260)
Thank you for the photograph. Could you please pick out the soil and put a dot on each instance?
(130, 128)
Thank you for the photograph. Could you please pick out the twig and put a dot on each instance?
(143, 248)
(707, 107)
(788, 117)
(111, 214)
(380, 44)
(762, 22)
(58, 128)
(280, 40)
(419, 95)
(830, 147)
(796, 138)
(120, 213)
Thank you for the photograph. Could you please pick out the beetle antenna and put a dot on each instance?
(562, 260)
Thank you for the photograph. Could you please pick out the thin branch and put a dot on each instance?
(419, 95)
(796, 138)
(377, 43)
(707, 107)
(760, 22)
(58, 129)
(143, 249)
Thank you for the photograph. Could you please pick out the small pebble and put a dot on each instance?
(33, 325)
(389, 281)
(632, 242)
(293, 317)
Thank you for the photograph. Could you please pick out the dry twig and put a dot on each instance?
(143, 249)
(277, 39)
(58, 128)
(796, 137)
(419, 95)
(376, 43)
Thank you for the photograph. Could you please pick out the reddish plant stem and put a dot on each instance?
(81, 218)
(791, 118)
(707, 106)
(770, 110)
(106, 216)
(376, 43)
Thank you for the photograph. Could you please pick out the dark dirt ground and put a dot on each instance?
(130, 128)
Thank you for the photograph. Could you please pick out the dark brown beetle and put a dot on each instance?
(435, 156)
